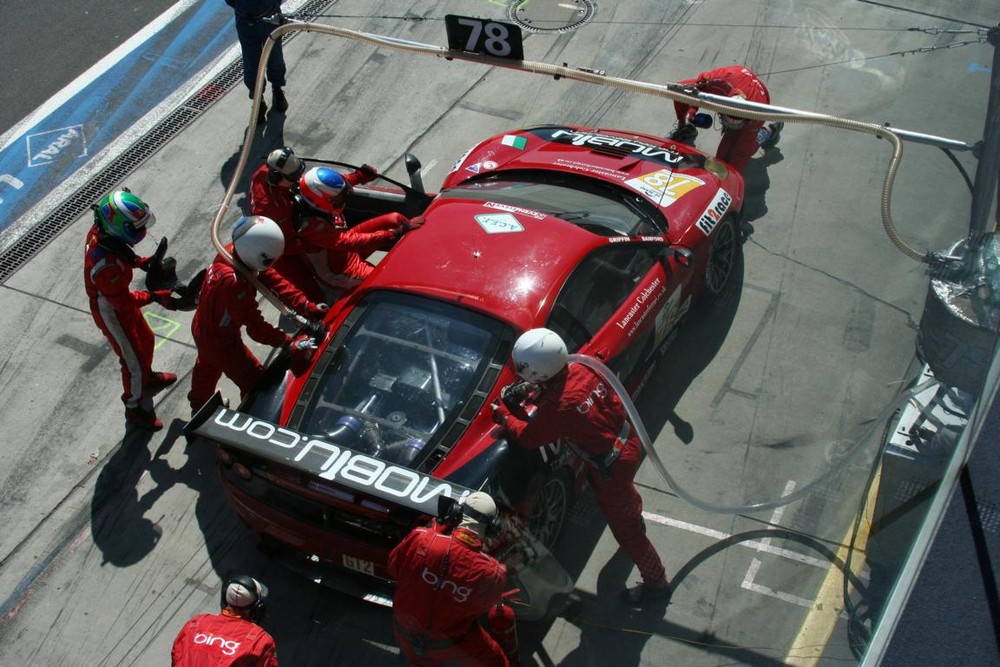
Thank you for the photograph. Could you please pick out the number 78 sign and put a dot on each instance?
(488, 38)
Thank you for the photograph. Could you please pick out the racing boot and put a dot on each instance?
(643, 594)
(773, 132)
(146, 419)
(278, 101)
(159, 381)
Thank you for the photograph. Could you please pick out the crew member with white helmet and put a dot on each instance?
(233, 636)
(447, 587)
(575, 403)
(229, 302)
(741, 137)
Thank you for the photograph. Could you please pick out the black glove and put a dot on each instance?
(368, 173)
(187, 295)
(409, 225)
(161, 271)
(513, 393)
(685, 134)
(164, 297)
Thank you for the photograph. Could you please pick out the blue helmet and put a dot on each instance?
(322, 188)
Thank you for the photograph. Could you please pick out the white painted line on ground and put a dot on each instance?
(748, 584)
(752, 544)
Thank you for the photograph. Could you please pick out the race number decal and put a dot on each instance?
(488, 38)
(664, 187)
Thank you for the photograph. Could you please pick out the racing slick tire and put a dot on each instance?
(723, 260)
(551, 507)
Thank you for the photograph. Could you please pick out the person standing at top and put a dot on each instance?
(255, 20)
(741, 137)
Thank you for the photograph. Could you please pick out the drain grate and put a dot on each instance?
(77, 204)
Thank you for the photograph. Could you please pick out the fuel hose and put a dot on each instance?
(633, 415)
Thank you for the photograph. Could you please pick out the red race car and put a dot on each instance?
(605, 236)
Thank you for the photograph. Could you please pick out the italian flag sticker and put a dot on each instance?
(517, 142)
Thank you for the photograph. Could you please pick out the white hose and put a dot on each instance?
(647, 444)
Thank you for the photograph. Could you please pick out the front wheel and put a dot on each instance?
(723, 257)
(550, 509)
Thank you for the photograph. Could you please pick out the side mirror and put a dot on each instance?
(413, 169)
(683, 256)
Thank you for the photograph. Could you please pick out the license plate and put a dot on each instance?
(359, 565)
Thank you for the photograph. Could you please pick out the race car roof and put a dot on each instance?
(505, 261)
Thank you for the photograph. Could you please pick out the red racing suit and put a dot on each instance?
(223, 640)
(445, 583)
(578, 405)
(737, 146)
(323, 258)
(228, 302)
(116, 310)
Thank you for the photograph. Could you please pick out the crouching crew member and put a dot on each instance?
(228, 302)
(447, 587)
(121, 220)
(575, 403)
(232, 637)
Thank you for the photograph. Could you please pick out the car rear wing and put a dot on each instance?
(313, 456)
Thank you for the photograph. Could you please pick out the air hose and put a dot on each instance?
(647, 444)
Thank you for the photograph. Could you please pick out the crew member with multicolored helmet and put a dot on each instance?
(447, 588)
(338, 253)
(228, 302)
(121, 220)
(740, 137)
(574, 403)
(232, 637)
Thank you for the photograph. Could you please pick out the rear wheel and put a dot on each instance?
(551, 506)
(722, 258)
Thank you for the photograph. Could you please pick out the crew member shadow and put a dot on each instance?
(757, 182)
(264, 138)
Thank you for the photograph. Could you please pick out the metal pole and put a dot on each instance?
(986, 185)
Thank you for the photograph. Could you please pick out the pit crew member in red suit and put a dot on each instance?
(121, 220)
(337, 253)
(571, 401)
(232, 637)
(228, 302)
(447, 586)
(740, 137)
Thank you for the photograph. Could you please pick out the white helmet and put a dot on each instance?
(258, 241)
(539, 354)
(479, 513)
(732, 122)
(284, 165)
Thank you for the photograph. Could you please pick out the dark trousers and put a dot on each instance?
(253, 35)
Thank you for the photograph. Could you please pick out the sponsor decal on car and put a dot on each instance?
(499, 223)
(334, 463)
(665, 186)
(644, 304)
(713, 214)
(458, 163)
(671, 314)
(633, 146)
(515, 209)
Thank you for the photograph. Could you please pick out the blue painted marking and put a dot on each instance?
(56, 147)
(976, 67)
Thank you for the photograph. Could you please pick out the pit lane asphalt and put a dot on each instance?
(114, 538)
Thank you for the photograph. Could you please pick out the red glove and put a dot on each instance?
(302, 347)
(164, 297)
(368, 173)
(500, 414)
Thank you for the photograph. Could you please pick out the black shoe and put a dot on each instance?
(262, 113)
(775, 135)
(278, 100)
(638, 596)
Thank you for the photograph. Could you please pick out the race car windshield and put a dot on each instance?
(402, 372)
(592, 205)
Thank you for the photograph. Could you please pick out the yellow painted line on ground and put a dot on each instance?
(163, 327)
(819, 624)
